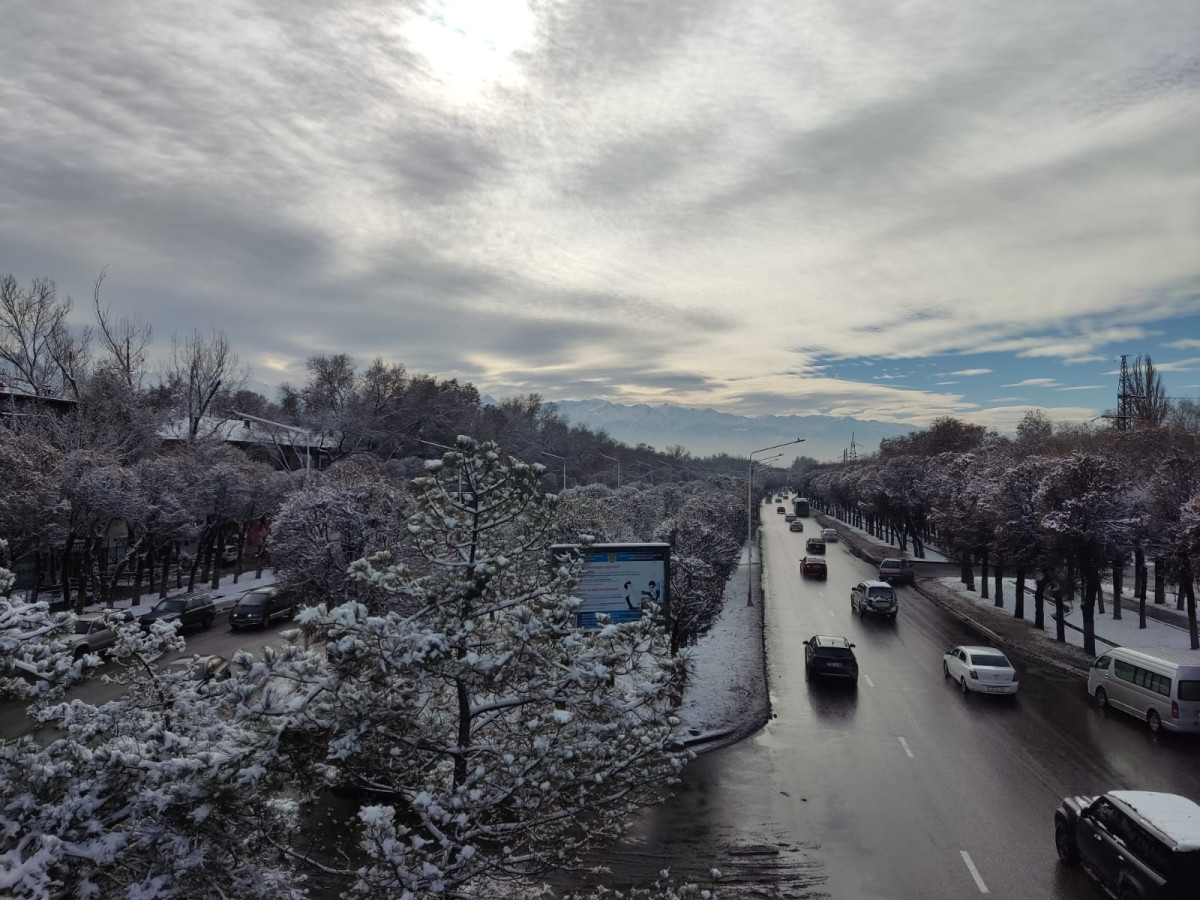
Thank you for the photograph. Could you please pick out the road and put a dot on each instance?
(218, 639)
(902, 788)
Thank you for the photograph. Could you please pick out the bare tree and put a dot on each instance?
(125, 340)
(1148, 397)
(203, 375)
(30, 322)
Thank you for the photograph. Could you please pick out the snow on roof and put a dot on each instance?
(1175, 816)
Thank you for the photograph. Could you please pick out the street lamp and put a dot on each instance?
(651, 468)
(750, 520)
(618, 462)
(564, 462)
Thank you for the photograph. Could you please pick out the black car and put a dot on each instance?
(189, 611)
(260, 605)
(814, 545)
(826, 654)
(1140, 845)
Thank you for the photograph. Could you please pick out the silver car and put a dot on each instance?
(95, 631)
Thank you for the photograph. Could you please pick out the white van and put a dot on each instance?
(1160, 687)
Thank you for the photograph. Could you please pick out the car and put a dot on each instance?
(813, 567)
(229, 553)
(97, 631)
(1140, 845)
(1160, 687)
(982, 670)
(814, 545)
(875, 597)
(189, 610)
(789, 517)
(781, 510)
(795, 525)
(896, 571)
(260, 605)
(827, 654)
(201, 667)
(830, 535)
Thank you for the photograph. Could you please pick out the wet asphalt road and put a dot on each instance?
(901, 788)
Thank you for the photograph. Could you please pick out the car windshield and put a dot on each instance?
(836, 652)
(170, 606)
(82, 626)
(994, 660)
(253, 600)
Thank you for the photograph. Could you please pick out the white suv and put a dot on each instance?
(876, 597)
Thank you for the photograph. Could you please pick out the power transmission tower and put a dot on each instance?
(1125, 397)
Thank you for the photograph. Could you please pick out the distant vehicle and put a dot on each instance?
(190, 610)
(796, 524)
(789, 517)
(896, 571)
(814, 545)
(826, 654)
(875, 597)
(229, 553)
(801, 506)
(97, 631)
(813, 567)
(202, 668)
(982, 670)
(1140, 845)
(1160, 687)
(830, 535)
(781, 510)
(260, 605)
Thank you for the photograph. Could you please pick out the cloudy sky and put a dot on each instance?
(890, 210)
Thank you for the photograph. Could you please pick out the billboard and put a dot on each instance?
(618, 578)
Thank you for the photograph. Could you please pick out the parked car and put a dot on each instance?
(260, 605)
(229, 553)
(1140, 845)
(97, 631)
(189, 610)
(814, 545)
(813, 567)
(1160, 687)
(781, 510)
(796, 524)
(210, 667)
(826, 654)
(896, 571)
(830, 535)
(983, 670)
(875, 597)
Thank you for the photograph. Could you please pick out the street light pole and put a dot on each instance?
(618, 462)
(651, 468)
(564, 462)
(750, 519)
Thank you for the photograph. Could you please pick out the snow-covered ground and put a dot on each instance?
(224, 595)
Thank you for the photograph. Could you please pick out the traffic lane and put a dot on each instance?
(937, 765)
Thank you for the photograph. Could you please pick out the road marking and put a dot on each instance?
(904, 744)
(974, 871)
(869, 681)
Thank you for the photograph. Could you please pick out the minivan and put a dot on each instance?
(1160, 687)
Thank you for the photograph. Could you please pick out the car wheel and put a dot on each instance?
(1064, 845)
(963, 684)
(1153, 721)
(266, 620)
(945, 670)
(1101, 698)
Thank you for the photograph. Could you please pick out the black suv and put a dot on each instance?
(825, 654)
(814, 545)
(260, 605)
(1140, 845)
(189, 610)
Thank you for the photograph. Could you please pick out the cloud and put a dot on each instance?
(1183, 344)
(1034, 382)
(1084, 387)
(965, 372)
(1179, 365)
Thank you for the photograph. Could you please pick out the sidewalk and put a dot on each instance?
(1166, 627)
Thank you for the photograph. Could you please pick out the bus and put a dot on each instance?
(801, 505)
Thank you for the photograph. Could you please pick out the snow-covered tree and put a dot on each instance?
(494, 738)
(35, 661)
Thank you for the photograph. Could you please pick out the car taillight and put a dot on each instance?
(974, 674)
(1174, 710)
(1016, 677)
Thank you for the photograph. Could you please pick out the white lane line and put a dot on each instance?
(904, 744)
(974, 872)
(869, 681)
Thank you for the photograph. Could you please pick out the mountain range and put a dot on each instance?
(705, 432)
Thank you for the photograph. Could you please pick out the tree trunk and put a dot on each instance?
(1070, 585)
(967, 571)
(1191, 613)
(138, 571)
(998, 570)
(1118, 574)
(1019, 602)
(65, 575)
(1139, 573)
(163, 582)
(1091, 591)
(1060, 628)
(1160, 582)
(218, 546)
(1039, 603)
(983, 573)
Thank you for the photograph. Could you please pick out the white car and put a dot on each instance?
(984, 670)
(830, 535)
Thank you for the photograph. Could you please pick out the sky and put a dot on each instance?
(885, 210)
